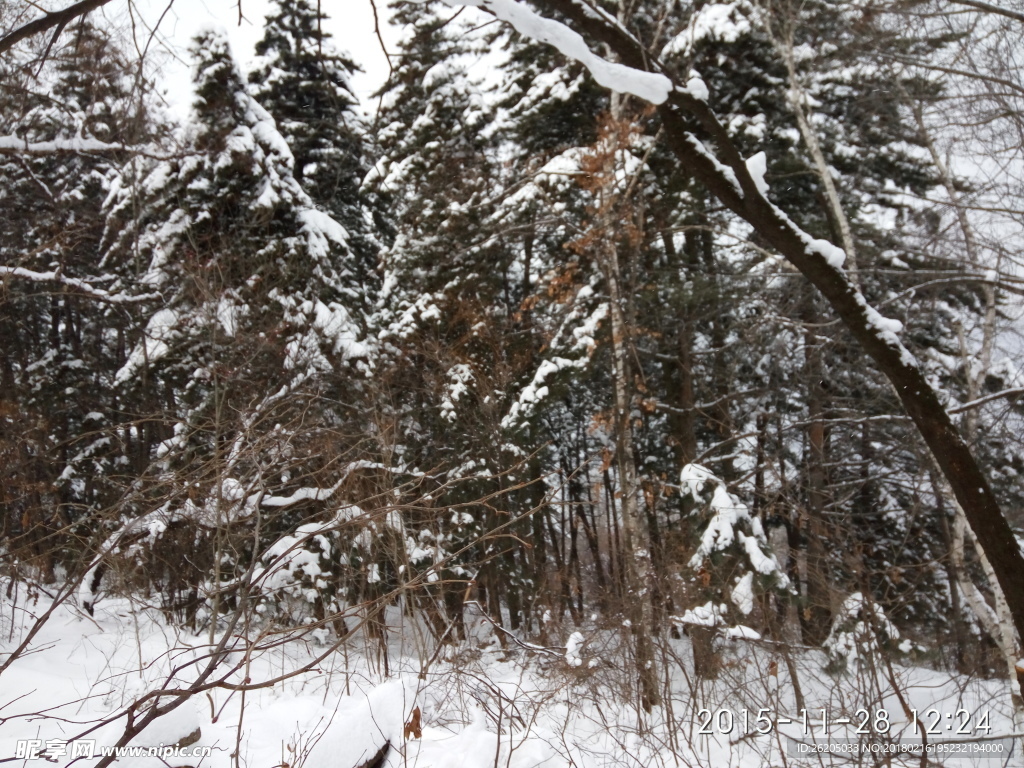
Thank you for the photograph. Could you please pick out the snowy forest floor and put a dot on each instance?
(481, 704)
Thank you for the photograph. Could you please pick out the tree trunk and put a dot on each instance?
(637, 556)
(977, 368)
(706, 662)
(954, 576)
(817, 610)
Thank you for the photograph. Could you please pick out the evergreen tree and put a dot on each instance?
(837, 485)
(304, 83)
(446, 312)
(254, 354)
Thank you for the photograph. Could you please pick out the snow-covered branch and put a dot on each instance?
(651, 86)
(16, 145)
(77, 283)
(988, 399)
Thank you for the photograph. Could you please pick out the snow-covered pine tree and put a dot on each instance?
(303, 81)
(859, 634)
(821, 422)
(251, 361)
(661, 288)
(733, 577)
(446, 315)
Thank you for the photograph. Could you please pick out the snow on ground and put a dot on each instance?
(481, 704)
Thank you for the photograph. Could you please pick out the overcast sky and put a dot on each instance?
(350, 23)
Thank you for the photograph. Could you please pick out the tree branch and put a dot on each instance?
(78, 284)
(987, 399)
(989, 8)
(48, 21)
(16, 145)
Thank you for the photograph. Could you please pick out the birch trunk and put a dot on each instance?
(998, 623)
(798, 102)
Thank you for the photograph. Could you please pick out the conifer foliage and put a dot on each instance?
(496, 348)
(257, 315)
(303, 82)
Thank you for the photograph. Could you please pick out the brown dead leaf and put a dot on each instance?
(412, 728)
